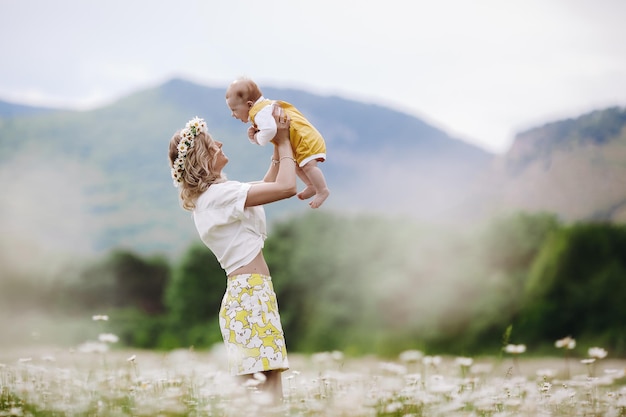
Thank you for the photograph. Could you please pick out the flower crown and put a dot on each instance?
(192, 129)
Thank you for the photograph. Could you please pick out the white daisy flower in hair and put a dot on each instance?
(188, 134)
(182, 147)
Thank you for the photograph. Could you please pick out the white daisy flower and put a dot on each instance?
(411, 356)
(515, 349)
(597, 352)
(566, 342)
(108, 338)
(182, 147)
(463, 361)
(191, 130)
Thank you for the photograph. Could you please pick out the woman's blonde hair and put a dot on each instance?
(199, 172)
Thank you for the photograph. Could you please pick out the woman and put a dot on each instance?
(230, 219)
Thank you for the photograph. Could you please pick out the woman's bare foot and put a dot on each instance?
(320, 197)
(307, 193)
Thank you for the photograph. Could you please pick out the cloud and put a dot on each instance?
(482, 70)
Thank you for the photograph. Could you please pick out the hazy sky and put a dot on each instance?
(482, 70)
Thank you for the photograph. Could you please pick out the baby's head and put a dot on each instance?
(241, 94)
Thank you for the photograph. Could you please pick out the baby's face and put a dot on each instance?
(240, 109)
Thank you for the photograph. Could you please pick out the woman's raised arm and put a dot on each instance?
(280, 181)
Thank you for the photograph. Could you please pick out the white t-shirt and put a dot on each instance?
(234, 233)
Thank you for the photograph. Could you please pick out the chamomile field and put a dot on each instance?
(98, 379)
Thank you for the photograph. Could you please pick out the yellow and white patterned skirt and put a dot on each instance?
(251, 327)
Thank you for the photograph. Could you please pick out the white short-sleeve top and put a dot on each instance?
(234, 233)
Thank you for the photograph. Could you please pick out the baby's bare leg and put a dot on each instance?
(309, 190)
(316, 185)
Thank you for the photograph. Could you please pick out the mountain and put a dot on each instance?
(574, 167)
(87, 181)
(11, 109)
(92, 180)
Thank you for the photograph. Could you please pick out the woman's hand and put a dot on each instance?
(282, 124)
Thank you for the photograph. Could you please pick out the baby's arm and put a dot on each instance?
(266, 126)
(251, 132)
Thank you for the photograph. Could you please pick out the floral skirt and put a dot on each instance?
(251, 327)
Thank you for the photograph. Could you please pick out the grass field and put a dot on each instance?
(94, 380)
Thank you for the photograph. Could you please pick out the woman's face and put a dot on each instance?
(219, 158)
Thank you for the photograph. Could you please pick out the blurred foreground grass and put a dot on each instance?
(93, 380)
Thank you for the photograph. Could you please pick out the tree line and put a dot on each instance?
(368, 284)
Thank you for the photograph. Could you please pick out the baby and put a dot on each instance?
(246, 102)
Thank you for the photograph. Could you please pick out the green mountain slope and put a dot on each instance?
(92, 180)
(574, 167)
(88, 181)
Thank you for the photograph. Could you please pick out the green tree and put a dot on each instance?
(300, 254)
(494, 292)
(342, 280)
(193, 298)
(140, 282)
(122, 279)
(512, 242)
(577, 286)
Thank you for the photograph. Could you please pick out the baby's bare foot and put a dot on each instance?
(319, 198)
(307, 193)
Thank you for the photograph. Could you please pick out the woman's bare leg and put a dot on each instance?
(274, 385)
